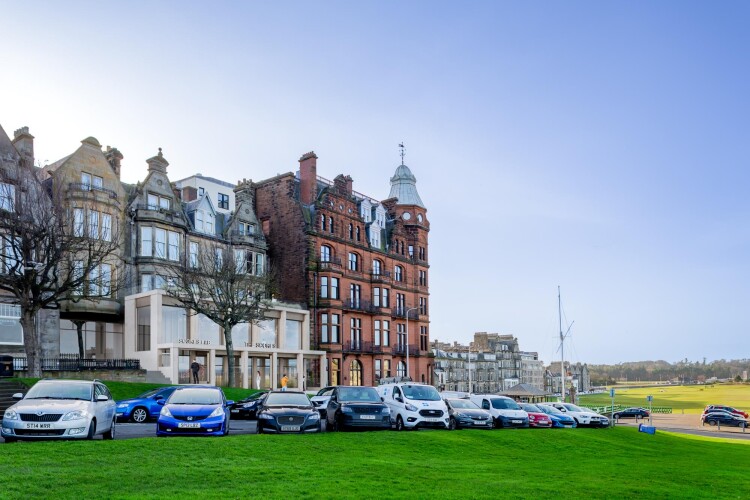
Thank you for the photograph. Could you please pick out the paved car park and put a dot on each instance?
(688, 424)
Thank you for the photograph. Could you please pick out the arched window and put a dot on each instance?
(401, 369)
(398, 273)
(335, 372)
(355, 373)
(351, 232)
(353, 262)
(358, 234)
(322, 222)
(325, 253)
(376, 267)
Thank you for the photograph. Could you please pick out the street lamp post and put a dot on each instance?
(407, 338)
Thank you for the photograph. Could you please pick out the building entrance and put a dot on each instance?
(186, 359)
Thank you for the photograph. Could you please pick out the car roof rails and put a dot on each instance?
(395, 380)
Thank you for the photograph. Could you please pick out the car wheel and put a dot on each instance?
(92, 430)
(712, 423)
(258, 429)
(139, 415)
(452, 424)
(110, 434)
(399, 423)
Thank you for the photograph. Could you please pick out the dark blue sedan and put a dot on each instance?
(723, 418)
(194, 411)
(144, 406)
(635, 413)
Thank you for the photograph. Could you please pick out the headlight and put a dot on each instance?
(386, 411)
(165, 412)
(346, 409)
(459, 415)
(123, 405)
(218, 412)
(266, 416)
(76, 415)
(410, 407)
(314, 416)
(11, 415)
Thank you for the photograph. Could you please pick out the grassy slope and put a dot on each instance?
(593, 463)
(690, 398)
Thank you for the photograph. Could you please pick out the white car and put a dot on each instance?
(414, 405)
(505, 412)
(582, 416)
(63, 409)
(321, 399)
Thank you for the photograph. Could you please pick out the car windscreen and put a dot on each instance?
(504, 404)
(549, 410)
(147, 394)
(530, 407)
(359, 394)
(287, 399)
(462, 404)
(60, 390)
(571, 407)
(195, 397)
(421, 392)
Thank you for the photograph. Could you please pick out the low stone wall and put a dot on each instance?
(114, 375)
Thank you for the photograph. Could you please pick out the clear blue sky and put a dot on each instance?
(599, 146)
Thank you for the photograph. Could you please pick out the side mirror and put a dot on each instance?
(18, 395)
(382, 399)
(161, 401)
(158, 397)
(229, 403)
(399, 399)
(102, 397)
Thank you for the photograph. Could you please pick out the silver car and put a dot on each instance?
(62, 409)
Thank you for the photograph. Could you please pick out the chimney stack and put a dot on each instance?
(114, 157)
(24, 144)
(308, 176)
(244, 192)
(158, 163)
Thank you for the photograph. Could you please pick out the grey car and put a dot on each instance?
(61, 409)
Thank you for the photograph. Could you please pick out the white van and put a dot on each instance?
(414, 405)
(505, 412)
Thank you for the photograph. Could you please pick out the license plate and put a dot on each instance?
(367, 417)
(432, 420)
(481, 423)
(189, 425)
(516, 421)
(290, 428)
(38, 426)
(235, 411)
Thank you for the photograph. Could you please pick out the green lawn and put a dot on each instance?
(687, 398)
(576, 463)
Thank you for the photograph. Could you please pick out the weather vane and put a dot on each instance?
(403, 151)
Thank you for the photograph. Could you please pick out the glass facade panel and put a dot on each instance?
(143, 336)
(267, 332)
(173, 324)
(207, 330)
(241, 334)
(11, 332)
(293, 334)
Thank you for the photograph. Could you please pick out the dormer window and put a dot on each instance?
(88, 181)
(7, 197)
(156, 202)
(204, 222)
(245, 229)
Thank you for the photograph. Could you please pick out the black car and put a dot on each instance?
(635, 413)
(248, 407)
(723, 418)
(465, 414)
(287, 412)
(352, 406)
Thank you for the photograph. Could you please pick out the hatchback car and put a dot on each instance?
(247, 408)
(357, 407)
(287, 411)
(63, 409)
(559, 419)
(721, 417)
(466, 415)
(635, 413)
(144, 406)
(537, 418)
(194, 411)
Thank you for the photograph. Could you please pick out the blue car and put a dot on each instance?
(194, 411)
(559, 419)
(144, 406)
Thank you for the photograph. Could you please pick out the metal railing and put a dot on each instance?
(361, 305)
(79, 186)
(154, 208)
(74, 363)
(400, 312)
(400, 350)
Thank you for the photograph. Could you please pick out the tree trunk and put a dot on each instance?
(79, 327)
(230, 352)
(32, 344)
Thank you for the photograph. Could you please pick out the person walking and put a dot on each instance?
(257, 380)
(284, 382)
(195, 367)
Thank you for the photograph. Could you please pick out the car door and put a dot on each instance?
(154, 408)
(104, 410)
(332, 407)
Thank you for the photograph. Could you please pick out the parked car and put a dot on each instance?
(287, 411)
(466, 415)
(504, 411)
(635, 413)
(722, 417)
(414, 405)
(320, 400)
(582, 416)
(559, 419)
(144, 406)
(351, 406)
(247, 408)
(65, 409)
(194, 411)
(741, 413)
(537, 418)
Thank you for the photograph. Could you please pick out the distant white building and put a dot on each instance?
(220, 192)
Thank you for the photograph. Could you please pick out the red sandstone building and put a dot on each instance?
(360, 265)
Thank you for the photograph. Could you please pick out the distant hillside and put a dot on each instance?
(683, 371)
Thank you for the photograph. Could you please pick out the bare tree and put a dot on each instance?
(46, 256)
(221, 283)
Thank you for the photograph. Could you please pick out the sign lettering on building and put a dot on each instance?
(261, 345)
(194, 341)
